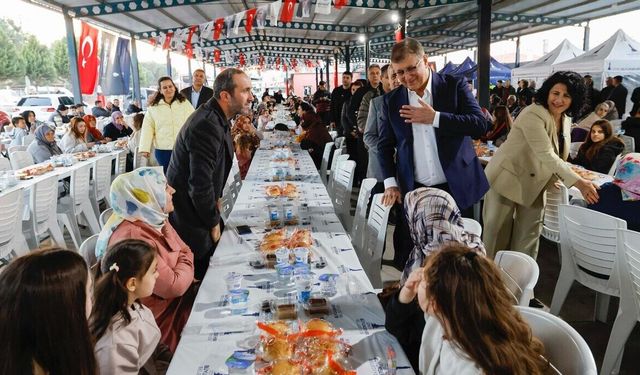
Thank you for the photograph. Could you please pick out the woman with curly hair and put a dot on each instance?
(532, 158)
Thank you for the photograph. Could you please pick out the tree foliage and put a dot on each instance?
(60, 56)
(150, 72)
(11, 64)
(38, 62)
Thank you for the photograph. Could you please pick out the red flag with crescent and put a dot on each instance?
(217, 28)
(248, 23)
(216, 55)
(242, 59)
(167, 41)
(286, 15)
(189, 45)
(338, 4)
(88, 59)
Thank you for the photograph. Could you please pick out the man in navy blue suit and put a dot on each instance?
(428, 122)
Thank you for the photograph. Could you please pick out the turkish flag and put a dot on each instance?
(338, 4)
(248, 23)
(189, 46)
(88, 59)
(167, 41)
(216, 55)
(217, 28)
(242, 59)
(286, 15)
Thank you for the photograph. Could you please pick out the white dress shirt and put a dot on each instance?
(427, 169)
(195, 96)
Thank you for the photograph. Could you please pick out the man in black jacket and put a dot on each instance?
(200, 165)
(197, 93)
(619, 95)
(339, 95)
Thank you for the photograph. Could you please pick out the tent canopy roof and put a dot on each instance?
(442, 25)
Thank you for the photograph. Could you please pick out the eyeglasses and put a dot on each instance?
(409, 70)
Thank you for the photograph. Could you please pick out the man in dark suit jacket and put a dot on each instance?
(200, 165)
(429, 121)
(619, 95)
(197, 93)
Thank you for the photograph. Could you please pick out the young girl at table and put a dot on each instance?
(75, 140)
(599, 150)
(471, 325)
(125, 330)
(501, 125)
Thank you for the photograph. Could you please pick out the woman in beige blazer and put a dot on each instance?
(532, 158)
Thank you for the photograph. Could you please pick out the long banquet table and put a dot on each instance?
(212, 333)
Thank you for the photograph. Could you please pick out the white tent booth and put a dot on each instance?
(619, 55)
(538, 70)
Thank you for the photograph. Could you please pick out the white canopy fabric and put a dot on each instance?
(538, 70)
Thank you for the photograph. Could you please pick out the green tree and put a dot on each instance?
(60, 58)
(13, 31)
(150, 72)
(11, 64)
(38, 62)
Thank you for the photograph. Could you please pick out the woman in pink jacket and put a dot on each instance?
(141, 203)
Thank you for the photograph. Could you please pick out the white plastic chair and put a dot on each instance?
(629, 310)
(88, 250)
(104, 216)
(342, 187)
(27, 139)
(338, 142)
(43, 197)
(101, 183)
(15, 148)
(612, 170)
(521, 273)
(588, 245)
(371, 255)
(338, 158)
(121, 164)
(20, 159)
(139, 160)
(472, 226)
(550, 224)
(326, 155)
(360, 218)
(574, 148)
(12, 242)
(5, 164)
(78, 202)
(564, 348)
(629, 144)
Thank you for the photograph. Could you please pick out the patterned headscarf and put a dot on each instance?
(114, 116)
(434, 220)
(627, 177)
(135, 196)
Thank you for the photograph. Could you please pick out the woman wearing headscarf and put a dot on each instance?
(315, 135)
(613, 111)
(434, 221)
(94, 134)
(621, 198)
(141, 202)
(117, 128)
(45, 145)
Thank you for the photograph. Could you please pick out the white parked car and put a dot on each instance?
(43, 105)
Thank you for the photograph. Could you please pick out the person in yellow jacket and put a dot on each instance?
(167, 112)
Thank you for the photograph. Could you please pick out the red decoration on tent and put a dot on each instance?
(242, 59)
(294, 63)
(286, 15)
(188, 49)
(217, 28)
(277, 63)
(398, 34)
(261, 61)
(248, 23)
(167, 41)
(88, 59)
(216, 55)
(338, 4)
(153, 41)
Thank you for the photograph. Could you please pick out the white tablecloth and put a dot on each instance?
(212, 333)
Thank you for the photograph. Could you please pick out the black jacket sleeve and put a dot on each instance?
(603, 161)
(406, 323)
(202, 164)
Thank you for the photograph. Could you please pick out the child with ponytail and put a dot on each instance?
(125, 331)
